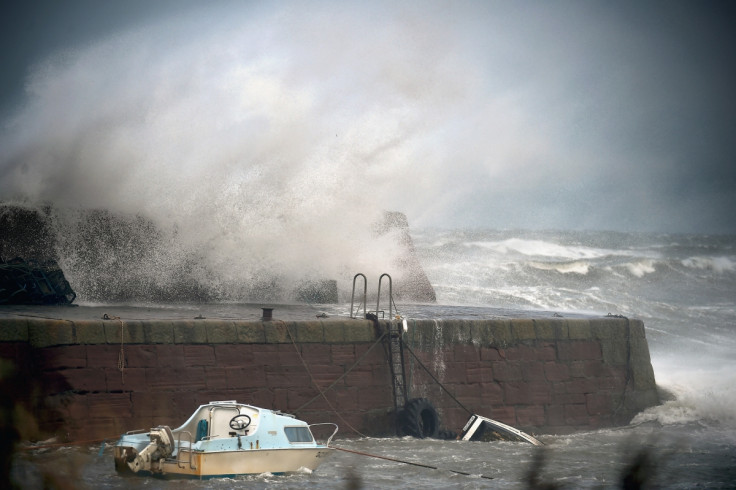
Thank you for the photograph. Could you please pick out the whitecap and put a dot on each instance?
(541, 248)
(716, 264)
(577, 267)
(639, 269)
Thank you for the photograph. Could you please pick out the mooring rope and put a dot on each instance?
(121, 355)
(435, 378)
(344, 374)
(421, 465)
(314, 382)
(32, 447)
(620, 405)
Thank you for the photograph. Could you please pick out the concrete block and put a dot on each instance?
(643, 375)
(598, 403)
(545, 328)
(506, 371)
(481, 333)
(556, 371)
(478, 372)
(109, 405)
(465, 353)
(560, 399)
(265, 354)
(133, 331)
(575, 350)
(190, 332)
(531, 416)
(220, 332)
(615, 352)
(276, 332)
(215, 378)
(334, 332)
(140, 356)
(285, 377)
(578, 329)
(311, 331)
(343, 355)
(490, 354)
(359, 378)
(456, 332)
(64, 357)
(527, 393)
(346, 399)
(315, 353)
(532, 370)
(14, 330)
(637, 328)
(85, 379)
(250, 332)
(157, 404)
(89, 332)
(170, 356)
(428, 332)
(129, 379)
(491, 393)
(576, 414)
(199, 355)
(169, 378)
(501, 333)
(608, 328)
(523, 329)
(103, 355)
(158, 331)
(45, 333)
(359, 331)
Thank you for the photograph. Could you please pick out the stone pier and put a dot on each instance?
(93, 379)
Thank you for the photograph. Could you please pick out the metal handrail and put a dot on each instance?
(178, 450)
(365, 295)
(390, 294)
(329, 439)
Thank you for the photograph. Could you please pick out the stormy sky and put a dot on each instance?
(543, 115)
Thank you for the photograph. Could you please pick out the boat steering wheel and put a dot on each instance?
(240, 422)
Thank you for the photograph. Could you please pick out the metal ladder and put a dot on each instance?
(396, 362)
(354, 313)
(395, 331)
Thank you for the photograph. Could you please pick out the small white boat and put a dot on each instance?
(223, 439)
(479, 428)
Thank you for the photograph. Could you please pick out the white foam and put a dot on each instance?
(540, 248)
(577, 267)
(715, 264)
(705, 390)
(641, 268)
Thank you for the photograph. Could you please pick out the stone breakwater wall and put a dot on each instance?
(88, 380)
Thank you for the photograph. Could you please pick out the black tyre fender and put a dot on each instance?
(419, 419)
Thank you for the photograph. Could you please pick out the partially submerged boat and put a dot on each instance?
(223, 439)
(479, 428)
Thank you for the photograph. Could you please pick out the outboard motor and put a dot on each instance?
(161, 446)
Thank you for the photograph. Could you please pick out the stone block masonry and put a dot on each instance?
(98, 379)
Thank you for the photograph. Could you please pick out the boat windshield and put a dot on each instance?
(298, 434)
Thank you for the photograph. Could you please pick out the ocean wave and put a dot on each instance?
(715, 264)
(576, 267)
(641, 268)
(541, 248)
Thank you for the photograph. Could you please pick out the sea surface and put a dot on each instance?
(682, 286)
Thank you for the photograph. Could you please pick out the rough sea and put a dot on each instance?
(682, 286)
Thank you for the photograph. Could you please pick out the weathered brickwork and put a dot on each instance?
(547, 375)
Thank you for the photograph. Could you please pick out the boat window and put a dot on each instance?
(298, 434)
